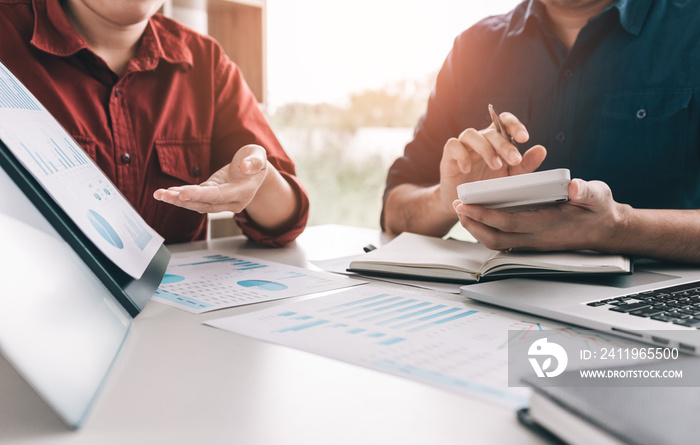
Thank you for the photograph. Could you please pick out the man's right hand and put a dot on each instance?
(485, 154)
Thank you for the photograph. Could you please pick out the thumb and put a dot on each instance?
(252, 165)
(254, 160)
(589, 194)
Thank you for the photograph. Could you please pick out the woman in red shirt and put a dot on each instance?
(159, 107)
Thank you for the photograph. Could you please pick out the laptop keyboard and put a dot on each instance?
(678, 304)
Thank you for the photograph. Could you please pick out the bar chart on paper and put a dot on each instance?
(409, 333)
(206, 280)
(67, 173)
(13, 94)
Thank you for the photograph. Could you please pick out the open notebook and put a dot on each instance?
(433, 258)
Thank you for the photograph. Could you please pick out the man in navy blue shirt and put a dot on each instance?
(610, 88)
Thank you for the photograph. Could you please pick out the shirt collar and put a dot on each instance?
(633, 14)
(54, 34)
(167, 43)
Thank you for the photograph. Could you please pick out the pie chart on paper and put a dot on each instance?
(262, 284)
(105, 229)
(171, 278)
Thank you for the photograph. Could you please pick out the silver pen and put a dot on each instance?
(499, 125)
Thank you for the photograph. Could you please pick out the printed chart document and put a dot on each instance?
(206, 280)
(73, 180)
(412, 333)
(420, 256)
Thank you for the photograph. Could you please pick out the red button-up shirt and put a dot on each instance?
(179, 111)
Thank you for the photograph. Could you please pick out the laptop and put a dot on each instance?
(658, 304)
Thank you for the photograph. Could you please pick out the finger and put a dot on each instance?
(456, 153)
(514, 127)
(503, 147)
(532, 159)
(217, 194)
(516, 223)
(490, 237)
(204, 207)
(158, 194)
(481, 146)
(167, 195)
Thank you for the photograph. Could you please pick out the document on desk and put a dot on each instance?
(408, 332)
(206, 280)
(73, 180)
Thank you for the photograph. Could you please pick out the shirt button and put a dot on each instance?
(641, 113)
(196, 171)
(126, 158)
(568, 74)
(561, 136)
(117, 91)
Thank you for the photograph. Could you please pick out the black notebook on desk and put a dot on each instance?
(620, 415)
(77, 262)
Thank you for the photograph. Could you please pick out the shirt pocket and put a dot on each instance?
(184, 160)
(643, 137)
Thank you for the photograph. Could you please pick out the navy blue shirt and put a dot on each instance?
(621, 106)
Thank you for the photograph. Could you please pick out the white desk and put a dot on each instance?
(180, 382)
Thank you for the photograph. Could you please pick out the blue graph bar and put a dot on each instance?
(429, 317)
(138, 233)
(376, 334)
(292, 275)
(397, 311)
(286, 314)
(252, 267)
(177, 298)
(63, 163)
(365, 306)
(411, 315)
(444, 320)
(303, 317)
(381, 309)
(34, 158)
(78, 154)
(42, 161)
(222, 259)
(62, 155)
(356, 330)
(353, 303)
(304, 326)
(12, 93)
(391, 341)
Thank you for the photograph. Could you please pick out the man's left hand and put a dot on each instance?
(591, 220)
